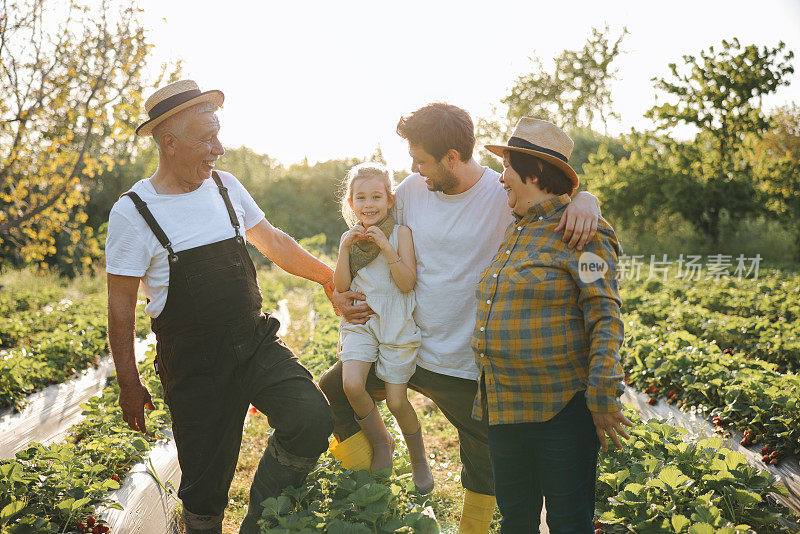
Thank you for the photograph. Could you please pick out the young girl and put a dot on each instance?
(376, 257)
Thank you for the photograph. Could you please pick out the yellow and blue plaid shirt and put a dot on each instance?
(548, 321)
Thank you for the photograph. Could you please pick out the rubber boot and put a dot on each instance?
(202, 524)
(278, 469)
(420, 470)
(476, 516)
(355, 452)
(382, 442)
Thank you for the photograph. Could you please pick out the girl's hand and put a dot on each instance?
(353, 234)
(377, 236)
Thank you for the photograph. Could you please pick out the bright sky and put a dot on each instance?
(329, 79)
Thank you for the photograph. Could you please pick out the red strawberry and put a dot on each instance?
(746, 442)
(115, 478)
(765, 450)
(598, 524)
(765, 459)
(96, 530)
(90, 521)
(651, 401)
(103, 528)
(81, 526)
(253, 410)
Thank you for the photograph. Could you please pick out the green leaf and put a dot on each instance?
(680, 522)
(673, 477)
(139, 443)
(10, 510)
(744, 497)
(701, 528)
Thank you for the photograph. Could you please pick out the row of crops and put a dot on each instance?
(664, 481)
(51, 335)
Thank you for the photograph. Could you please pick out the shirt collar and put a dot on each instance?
(546, 208)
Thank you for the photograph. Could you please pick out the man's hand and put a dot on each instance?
(610, 424)
(579, 221)
(353, 313)
(133, 399)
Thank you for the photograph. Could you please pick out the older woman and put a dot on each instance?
(546, 343)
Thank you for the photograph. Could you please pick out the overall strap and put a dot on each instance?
(141, 205)
(231, 212)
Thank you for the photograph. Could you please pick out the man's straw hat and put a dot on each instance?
(542, 139)
(171, 99)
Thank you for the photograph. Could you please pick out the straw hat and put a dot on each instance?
(171, 99)
(542, 139)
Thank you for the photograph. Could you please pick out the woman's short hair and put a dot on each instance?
(551, 179)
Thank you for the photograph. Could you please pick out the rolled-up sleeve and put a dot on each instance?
(595, 272)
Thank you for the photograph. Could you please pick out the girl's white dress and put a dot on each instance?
(390, 338)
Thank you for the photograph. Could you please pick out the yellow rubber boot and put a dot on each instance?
(355, 452)
(476, 516)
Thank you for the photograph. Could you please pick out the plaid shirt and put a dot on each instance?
(545, 331)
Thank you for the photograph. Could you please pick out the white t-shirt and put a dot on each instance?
(455, 239)
(189, 220)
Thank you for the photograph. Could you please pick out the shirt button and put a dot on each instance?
(519, 228)
(540, 218)
(482, 329)
(494, 275)
(508, 252)
(489, 301)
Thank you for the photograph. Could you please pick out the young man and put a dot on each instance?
(457, 212)
(181, 235)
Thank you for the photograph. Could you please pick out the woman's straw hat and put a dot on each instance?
(171, 99)
(542, 139)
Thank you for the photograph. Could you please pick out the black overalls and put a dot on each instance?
(216, 354)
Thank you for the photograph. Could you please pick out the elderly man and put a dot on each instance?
(457, 211)
(181, 234)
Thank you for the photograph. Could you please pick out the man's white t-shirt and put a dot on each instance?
(455, 239)
(189, 220)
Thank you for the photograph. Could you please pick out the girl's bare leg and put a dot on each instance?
(397, 399)
(354, 380)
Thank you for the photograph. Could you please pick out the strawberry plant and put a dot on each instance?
(54, 488)
(737, 392)
(664, 481)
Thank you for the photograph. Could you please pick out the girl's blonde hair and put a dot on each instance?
(368, 169)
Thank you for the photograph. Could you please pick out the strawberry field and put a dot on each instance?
(722, 352)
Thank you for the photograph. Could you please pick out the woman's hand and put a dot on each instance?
(353, 313)
(610, 424)
(377, 236)
(579, 221)
(353, 234)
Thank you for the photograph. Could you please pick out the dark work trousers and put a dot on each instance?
(216, 354)
(555, 460)
(454, 397)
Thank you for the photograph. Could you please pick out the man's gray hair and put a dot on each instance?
(176, 124)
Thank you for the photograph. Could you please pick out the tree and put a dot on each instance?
(71, 80)
(720, 94)
(575, 94)
(776, 165)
